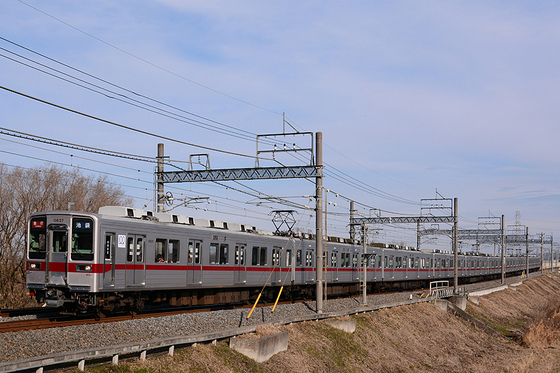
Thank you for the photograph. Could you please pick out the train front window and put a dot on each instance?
(59, 242)
(37, 239)
(82, 239)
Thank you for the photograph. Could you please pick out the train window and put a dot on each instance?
(194, 251)
(334, 261)
(308, 258)
(109, 245)
(59, 241)
(398, 262)
(354, 260)
(82, 239)
(240, 254)
(139, 249)
(288, 257)
(224, 257)
(422, 263)
(130, 251)
(37, 239)
(161, 253)
(451, 264)
(259, 256)
(443, 263)
(391, 262)
(385, 265)
(213, 253)
(173, 251)
(379, 262)
(345, 259)
(416, 263)
(276, 256)
(298, 258)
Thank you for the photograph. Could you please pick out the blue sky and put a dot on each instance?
(411, 97)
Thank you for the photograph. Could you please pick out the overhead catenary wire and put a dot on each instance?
(135, 103)
(124, 126)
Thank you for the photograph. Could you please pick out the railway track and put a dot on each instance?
(60, 320)
(65, 320)
(27, 311)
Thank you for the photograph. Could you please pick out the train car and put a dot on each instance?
(123, 258)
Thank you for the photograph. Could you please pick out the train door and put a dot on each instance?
(291, 264)
(57, 258)
(194, 263)
(309, 266)
(355, 268)
(108, 264)
(373, 260)
(333, 270)
(276, 271)
(135, 267)
(240, 268)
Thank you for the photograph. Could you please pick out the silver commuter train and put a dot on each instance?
(124, 258)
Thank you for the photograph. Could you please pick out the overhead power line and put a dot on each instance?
(45, 140)
(124, 126)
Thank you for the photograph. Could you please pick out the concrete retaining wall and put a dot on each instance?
(263, 348)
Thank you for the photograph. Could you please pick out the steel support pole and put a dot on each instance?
(325, 262)
(455, 248)
(319, 220)
(364, 284)
(503, 250)
(160, 195)
(418, 235)
(527, 251)
(551, 254)
(542, 244)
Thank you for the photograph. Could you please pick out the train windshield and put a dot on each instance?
(37, 239)
(82, 239)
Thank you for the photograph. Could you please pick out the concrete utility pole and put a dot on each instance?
(319, 221)
(160, 194)
(503, 250)
(551, 254)
(326, 262)
(364, 289)
(455, 248)
(527, 251)
(418, 235)
(542, 258)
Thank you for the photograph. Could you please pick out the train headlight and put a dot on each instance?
(83, 267)
(34, 266)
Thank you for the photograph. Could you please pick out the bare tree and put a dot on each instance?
(46, 188)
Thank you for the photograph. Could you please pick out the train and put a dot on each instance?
(125, 258)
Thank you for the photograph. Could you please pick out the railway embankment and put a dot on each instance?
(413, 337)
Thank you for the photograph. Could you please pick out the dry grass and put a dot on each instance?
(415, 338)
(544, 331)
